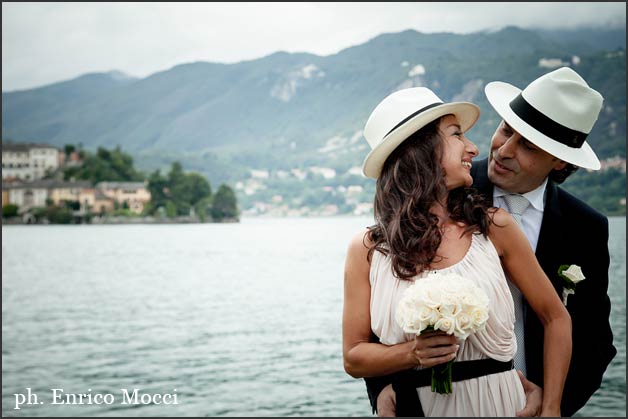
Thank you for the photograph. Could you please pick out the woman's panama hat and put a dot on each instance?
(403, 113)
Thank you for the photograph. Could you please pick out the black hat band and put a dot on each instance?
(545, 125)
(412, 116)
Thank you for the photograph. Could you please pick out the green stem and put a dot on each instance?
(442, 378)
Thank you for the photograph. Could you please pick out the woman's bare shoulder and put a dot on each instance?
(500, 217)
(500, 229)
(361, 242)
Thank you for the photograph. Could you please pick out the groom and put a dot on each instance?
(539, 143)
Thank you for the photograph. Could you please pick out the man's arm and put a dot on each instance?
(431, 348)
(387, 403)
(374, 386)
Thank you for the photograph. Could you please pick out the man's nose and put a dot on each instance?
(508, 148)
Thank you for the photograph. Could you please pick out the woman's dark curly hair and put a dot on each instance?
(411, 182)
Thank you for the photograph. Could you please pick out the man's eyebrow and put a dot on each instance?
(524, 139)
(528, 142)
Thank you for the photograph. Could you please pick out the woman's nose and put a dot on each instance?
(472, 148)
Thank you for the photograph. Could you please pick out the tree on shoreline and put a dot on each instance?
(178, 192)
(225, 204)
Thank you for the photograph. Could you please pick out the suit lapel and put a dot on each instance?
(550, 235)
(479, 172)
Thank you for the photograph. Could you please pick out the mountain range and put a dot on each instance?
(298, 110)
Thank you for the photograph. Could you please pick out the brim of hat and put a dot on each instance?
(500, 94)
(467, 114)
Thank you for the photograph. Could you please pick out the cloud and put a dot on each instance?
(47, 42)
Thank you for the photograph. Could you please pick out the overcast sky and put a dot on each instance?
(43, 43)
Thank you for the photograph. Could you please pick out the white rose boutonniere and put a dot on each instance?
(571, 274)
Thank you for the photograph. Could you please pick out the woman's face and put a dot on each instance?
(458, 152)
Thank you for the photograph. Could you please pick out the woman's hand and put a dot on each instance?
(433, 348)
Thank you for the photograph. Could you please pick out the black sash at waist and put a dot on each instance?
(406, 382)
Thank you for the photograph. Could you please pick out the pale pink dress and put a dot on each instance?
(499, 394)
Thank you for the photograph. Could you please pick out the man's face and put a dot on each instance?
(515, 164)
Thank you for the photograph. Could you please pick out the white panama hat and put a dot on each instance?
(403, 113)
(555, 112)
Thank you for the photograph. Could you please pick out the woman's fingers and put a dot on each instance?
(434, 348)
(434, 339)
(430, 362)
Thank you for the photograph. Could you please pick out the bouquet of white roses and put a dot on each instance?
(447, 302)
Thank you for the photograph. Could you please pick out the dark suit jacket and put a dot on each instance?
(571, 233)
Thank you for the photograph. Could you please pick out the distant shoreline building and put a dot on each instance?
(135, 194)
(24, 166)
(101, 198)
(28, 161)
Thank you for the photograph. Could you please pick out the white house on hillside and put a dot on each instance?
(28, 161)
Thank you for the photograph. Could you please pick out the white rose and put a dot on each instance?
(404, 315)
(464, 325)
(447, 324)
(432, 297)
(448, 307)
(479, 316)
(574, 273)
(423, 317)
(427, 315)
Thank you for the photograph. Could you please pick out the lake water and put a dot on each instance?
(231, 319)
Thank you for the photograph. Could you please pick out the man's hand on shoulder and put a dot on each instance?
(534, 398)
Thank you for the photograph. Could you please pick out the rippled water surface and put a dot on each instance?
(234, 319)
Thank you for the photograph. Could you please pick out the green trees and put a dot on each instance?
(176, 194)
(105, 165)
(179, 192)
(9, 210)
(225, 204)
(603, 190)
(69, 149)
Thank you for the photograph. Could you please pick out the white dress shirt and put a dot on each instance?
(532, 217)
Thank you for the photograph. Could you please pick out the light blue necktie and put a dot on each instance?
(516, 205)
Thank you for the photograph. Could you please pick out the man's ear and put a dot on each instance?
(560, 164)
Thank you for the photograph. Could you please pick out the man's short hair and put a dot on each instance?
(559, 176)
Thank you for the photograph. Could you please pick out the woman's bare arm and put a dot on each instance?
(524, 271)
(362, 358)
